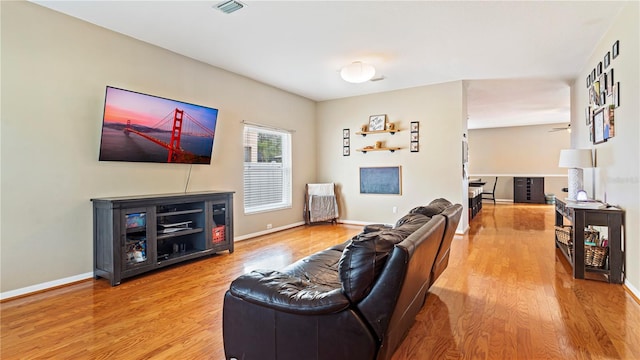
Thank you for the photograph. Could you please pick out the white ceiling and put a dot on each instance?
(518, 56)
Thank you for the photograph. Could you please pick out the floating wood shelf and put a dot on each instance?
(391, 149)
(365, 133)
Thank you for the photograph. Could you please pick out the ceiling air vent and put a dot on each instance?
(230, 6)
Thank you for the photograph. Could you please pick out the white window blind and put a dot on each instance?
(267, 169)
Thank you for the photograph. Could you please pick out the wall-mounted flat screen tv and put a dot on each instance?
(145, 128)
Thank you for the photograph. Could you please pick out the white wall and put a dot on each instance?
(618, 160)
(519, 151)
(435, 171)
(54, 72)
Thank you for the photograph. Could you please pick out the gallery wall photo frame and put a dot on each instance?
(385, 180)
(346, 142)
(414, 134)
(598, 127)
(615, 49)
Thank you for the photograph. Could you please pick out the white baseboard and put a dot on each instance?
(269, 231)
(44, 286)
(632, 288)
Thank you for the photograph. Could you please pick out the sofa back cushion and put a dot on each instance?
(364, 257)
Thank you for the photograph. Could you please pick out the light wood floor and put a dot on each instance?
(507, 294)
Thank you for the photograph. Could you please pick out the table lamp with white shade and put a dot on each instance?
(575, 160)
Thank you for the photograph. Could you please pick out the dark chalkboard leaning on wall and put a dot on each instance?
(380, 180)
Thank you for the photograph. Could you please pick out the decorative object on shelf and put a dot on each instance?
(415, 131)
(615, 50)
(346, 142)
(575, 160)
(391, 126)
(364, 128)
(377, 122)
(357, 72)
(380, 180)
(378, 145)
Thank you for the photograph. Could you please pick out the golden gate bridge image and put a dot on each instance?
(176, 152)
(145, 128)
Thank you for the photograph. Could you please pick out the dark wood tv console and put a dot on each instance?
(136, 234)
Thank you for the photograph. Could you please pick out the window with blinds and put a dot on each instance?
(267, 169)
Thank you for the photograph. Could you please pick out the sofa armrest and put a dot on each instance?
(280, 291)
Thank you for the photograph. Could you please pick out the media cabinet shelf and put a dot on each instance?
(136, 234)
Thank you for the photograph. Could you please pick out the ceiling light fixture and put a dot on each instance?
(357, 72)
(230, 6)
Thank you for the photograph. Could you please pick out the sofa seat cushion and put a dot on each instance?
(364, 258)
(284, 292)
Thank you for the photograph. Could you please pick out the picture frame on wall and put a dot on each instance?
(346, 133)
(415, 147)
(377, 122)
(414, 136)
(346, 151)
(587, 115)
(607, 59)
(599, 68)
(381, 180)
(615, 49)
(598, 127)
(346, 142)
(616, 95)
(415, 126)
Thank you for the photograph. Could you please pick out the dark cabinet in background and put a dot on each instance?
(528, 190)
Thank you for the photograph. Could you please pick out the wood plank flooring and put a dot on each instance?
(507, 294)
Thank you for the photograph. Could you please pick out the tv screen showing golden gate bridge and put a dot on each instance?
(144, 128)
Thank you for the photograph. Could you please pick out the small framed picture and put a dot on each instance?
(346, 142)
(415, 126)
(598, 127)
(587, 115)
(616, 95)
(346, 151)
(377, 122)
(345, 133)
(616, 49)
(593, 75)
(599, 69)
(610, 79)
(607, 59)
(588, 81)
(414, 136)
(414, 146)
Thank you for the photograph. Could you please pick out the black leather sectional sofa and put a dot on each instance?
(355, 300)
